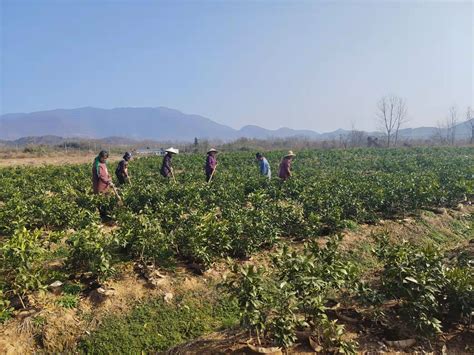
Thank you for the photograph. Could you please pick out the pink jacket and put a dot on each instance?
(100, 178)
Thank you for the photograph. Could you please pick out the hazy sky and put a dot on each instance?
(318, 65)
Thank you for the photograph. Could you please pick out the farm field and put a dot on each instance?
(361, 249)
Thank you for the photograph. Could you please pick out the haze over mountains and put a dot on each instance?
(161, 124)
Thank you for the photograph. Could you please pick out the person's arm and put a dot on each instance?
(125, 169)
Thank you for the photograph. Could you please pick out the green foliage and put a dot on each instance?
(459, 292)
(73, 289)
(431, 290)
(329, 334)
(250, 289)
(282, 326)
(68, 301)
(240, 214)
(314, 271)
(91, 251)
(144, 239)
(21, 257)
(5, 309)
(156, 326)
(300, 282)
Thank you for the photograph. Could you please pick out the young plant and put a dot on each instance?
(91, 251)
(22, 256)
(248, 286)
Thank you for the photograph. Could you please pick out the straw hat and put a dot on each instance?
(211, 150)
(172, 150)
(290, 154)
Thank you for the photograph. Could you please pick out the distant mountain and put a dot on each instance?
(252, 131)
(140, 123)
(159, 124)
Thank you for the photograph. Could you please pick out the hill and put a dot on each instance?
(159, 123)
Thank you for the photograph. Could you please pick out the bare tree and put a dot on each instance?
(470, 123)
(356, 138)
(451, 122)
(391, 115)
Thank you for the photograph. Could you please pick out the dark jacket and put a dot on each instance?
(166, 166)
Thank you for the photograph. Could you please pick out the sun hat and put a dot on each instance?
(290, 154)
(211, 150)
(172, 150)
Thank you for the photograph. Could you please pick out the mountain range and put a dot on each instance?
(160, 124)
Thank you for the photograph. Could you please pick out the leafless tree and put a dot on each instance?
(391, 115)
(451, 122)
(356, 138)
(470, 123)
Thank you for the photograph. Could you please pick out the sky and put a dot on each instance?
(318, 65)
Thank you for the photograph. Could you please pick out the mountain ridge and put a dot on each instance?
(158, 123)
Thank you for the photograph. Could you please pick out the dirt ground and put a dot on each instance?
(8, 158)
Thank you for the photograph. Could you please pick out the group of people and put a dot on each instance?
(102, 181)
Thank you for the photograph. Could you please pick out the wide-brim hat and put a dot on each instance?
(290, 154)
(211, 150)
(172, 150)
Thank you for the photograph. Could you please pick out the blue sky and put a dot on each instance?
(318, 65)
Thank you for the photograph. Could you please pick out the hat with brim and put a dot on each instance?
(172, 150)
(212, 150)
(290, 154)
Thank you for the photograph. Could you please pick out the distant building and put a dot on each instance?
(151, 151)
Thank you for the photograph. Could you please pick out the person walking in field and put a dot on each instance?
(101, 180)
(285, 166)
(166, 168)
(264, 166)
(122, 169)
(211, 164)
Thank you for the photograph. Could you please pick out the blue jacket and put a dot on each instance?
(265, 168)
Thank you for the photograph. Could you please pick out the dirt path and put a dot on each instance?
(56, 158)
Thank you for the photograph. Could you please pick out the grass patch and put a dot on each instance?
(157, 326)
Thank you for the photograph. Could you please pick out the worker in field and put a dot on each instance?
(263, 166)
(166, 168)
(101, 180)
(285, 166)
(211, 164)
(122, 169)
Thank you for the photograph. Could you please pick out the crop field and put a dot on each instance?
(282, 262)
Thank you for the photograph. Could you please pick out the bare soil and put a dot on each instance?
(51, 158)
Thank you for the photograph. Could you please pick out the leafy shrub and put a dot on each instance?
(22, 256)
(249, 288)
(430, 289)
(202, 237)
(144, 238)
(330, 336)
(91, 251)
(5, 309)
